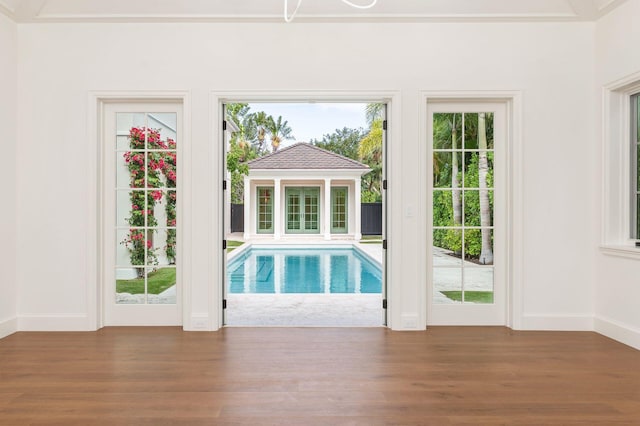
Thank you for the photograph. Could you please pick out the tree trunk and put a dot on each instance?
(486, 252)
(455, 184)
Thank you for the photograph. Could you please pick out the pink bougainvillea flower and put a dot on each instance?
(157, 195)
(148, 244)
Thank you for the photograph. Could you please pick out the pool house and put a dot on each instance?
(303, 191)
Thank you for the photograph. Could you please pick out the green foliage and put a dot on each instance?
(373, 112)
(349, 143)
(237, 188)
(249, 142)
(232, 245)
(470, 296)
(150, 170)
(157, 282)
(444, 127)
(279, 131)
(367, 196)
(370, 153)
(344, 142)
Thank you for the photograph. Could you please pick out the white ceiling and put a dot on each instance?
(310, 10)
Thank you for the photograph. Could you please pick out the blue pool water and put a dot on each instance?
(303, 270)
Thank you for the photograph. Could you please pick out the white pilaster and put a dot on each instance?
(277, 210)
(248, 225)
(358, 209)
(327, 209)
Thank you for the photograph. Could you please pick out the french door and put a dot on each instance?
(467, 210)
(302, 209)
(140, 197)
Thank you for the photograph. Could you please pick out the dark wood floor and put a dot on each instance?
(316, 376)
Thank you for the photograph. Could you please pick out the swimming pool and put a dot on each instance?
(271, 270)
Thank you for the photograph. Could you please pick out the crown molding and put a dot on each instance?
(607, 7)
(45, 11)
(7, 10)
(309, 19)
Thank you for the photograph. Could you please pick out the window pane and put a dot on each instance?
(128, 251)
(478, 208)
(447, 208)
(129, 287)
(447, 247)
(339, 209)
(447, 131)
(265, 209)
(447, 169)
(161, 286)
(478, 246)
(445, 256)
(478, 285)
(125, 121)
(474, 137)
(447, 284)
(478, 169)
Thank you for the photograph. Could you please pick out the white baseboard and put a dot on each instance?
(199, 322)
(54, 322)
(615, 330)
(8, 327)
(557, 322)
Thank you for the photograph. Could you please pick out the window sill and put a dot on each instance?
(629, 252)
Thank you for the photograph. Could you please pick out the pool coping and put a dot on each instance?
(302, 245)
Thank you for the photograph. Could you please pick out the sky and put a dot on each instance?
(313, 120)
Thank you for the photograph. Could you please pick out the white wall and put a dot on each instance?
(552, 64)
(617, 306)
(8, 142)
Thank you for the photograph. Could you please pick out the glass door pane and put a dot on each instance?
(339, 210)
(293, 209)
(467, 159)
(265, 210)
(311, 217)
(462, 207)
(303, 210)
(140, 194)
(146, 199)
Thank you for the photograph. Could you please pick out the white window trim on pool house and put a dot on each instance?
(324, 180)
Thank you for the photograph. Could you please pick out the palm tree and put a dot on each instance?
(370, 146)
(370, 149)
(486, 252)
(261, 122)
(279, 131)
(375, 111)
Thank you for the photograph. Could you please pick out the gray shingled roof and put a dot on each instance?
(305, 156)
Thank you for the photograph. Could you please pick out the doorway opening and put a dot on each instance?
(304, 219)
